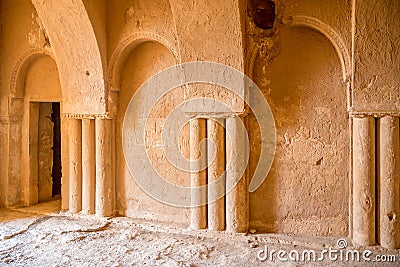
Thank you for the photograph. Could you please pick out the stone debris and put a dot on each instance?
(78, 241)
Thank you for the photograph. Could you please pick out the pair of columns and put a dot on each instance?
(376, 181)
(90, 166)
(230, 212)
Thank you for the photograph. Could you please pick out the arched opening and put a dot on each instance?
(306, 190)
(38, 88)
(144, 60)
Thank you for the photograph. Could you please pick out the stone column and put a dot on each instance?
(389, 182)
(216, 168)
(75, 165)
(198, 215)
(364, 181)
(237, 200)
(88, 166)
(65, 163)
(104, 184)
(3, 161)
(33, 151)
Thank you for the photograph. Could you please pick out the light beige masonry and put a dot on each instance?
(65, 162)
(88, 166)
(75, 165)
(216, 168)
(389, 182)
(364, 201)
(237, 199)
(329, 71)
(198, 150)
(3, 163)
(104, 188)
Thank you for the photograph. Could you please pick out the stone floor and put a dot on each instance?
(42, 236)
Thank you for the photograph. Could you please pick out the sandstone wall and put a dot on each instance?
(324, 65)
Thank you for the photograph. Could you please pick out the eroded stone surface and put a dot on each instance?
(323, 67)
(61, 240)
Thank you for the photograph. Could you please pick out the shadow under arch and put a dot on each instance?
(332, 36)
(124, 50)
(17, 89)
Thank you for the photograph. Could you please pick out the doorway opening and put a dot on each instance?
(45, 149)
(56, 170)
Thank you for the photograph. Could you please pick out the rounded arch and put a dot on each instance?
(136, 61)
(305, 88)
(77, 53)
(34, 87)
(332, 36)
(125, 48)
(17, 88)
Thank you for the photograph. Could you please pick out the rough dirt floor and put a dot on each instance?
(41, 236)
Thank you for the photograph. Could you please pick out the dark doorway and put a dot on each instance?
(56, 170)
(45, 150)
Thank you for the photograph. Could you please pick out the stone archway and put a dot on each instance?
(142, 59)
(35, 89)
(77, 53)
(305, 88)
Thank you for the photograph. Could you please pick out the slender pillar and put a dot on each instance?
(237, 199)
(88, 166)
(75, 165)
(3, 162)
(113, 164)
(198, 150)
(33, 150)
(65, 163)
(389, 182)
(364, 181)
(104, 188)
(216, 168)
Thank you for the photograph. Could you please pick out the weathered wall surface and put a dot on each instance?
(321, 60)
(146, 60)
(129, 20)
(97, 13)
(376, 56)
(22, 36)
(303, 87)
(76, 49)
(130, 23)
(211, 31)
(302, 66)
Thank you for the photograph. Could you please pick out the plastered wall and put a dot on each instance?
(304, 89)
(322, 63)
(147, 59)
(376, 56)
(23, 41)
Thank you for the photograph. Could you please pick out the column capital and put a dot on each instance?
(217, 115)
(10, 119)
(88, 116)
(375, 114)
